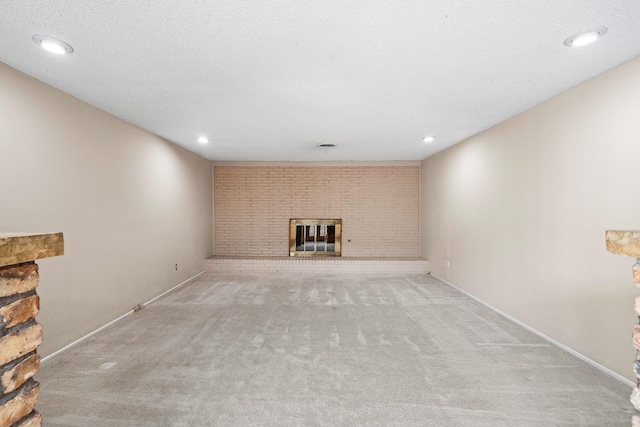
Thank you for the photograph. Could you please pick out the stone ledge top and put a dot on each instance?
(624, 242)
(16, 248)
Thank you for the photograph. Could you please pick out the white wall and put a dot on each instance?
(130, 204)
(520, 212)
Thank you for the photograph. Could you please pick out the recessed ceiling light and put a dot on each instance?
(203, 139)
(428, 139)
(585, 37)
(52, 45)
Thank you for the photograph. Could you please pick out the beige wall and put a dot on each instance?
(378, 206)
(130, 204)
(520, 212)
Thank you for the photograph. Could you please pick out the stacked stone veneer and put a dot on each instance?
(20, 334)
(628, 243)
(378, 205)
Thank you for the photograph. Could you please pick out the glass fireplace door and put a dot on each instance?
(315, 237)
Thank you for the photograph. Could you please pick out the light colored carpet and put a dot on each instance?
(339, 350)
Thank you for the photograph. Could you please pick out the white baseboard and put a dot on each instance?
(173, 289)
(547, 338)
(103, 327)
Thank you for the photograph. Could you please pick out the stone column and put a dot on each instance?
(628, 243)
(20, 334)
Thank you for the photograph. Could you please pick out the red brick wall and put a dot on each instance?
(378, 206)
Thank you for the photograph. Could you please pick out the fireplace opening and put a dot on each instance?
(315, 237)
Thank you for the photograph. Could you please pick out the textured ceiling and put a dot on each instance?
(271, 80)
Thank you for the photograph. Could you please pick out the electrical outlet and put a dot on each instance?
(447, 264)
(176, 267)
